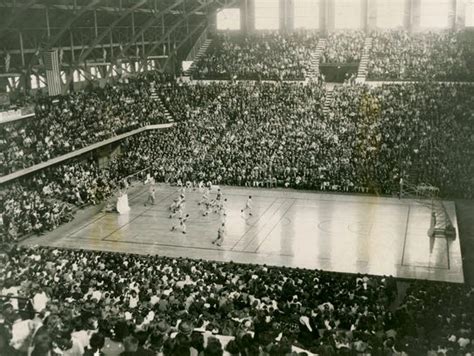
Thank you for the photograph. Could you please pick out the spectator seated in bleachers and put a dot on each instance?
(441, 56)
(275, 134)
(343, 47)
(70, 122)
(85, 302)
(265, 56)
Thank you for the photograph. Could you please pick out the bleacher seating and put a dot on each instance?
(68, 123)
(267, 56)
(166, 305)
(441, 56)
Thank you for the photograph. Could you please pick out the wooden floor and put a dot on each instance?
(335, 232)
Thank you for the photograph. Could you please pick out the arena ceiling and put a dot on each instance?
(86, 30)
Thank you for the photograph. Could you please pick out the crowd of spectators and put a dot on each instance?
(70, 122)
(16, 101)
(42, 202)
(420, 131)
(255, 134)
(343, 47)
(441, 55)
(84, 302)
(266, 56)
(245, 134)
(275, 134)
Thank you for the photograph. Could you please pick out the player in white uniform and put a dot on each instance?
(223, 207)
(151, 191)
(189, 185)
(208, 207)
(177, 202)
(223, 217)
(181, 224)
(205, 197)
(217, 203)
(248, 207)
(181, 187)
(220, 235)
(178, 210)
(219, 194)
(201, 186)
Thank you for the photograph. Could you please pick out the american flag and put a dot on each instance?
(53, 76)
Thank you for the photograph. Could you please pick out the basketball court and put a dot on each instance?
(334, 232)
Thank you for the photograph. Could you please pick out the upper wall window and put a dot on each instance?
(434, 13)
(307, 14)
(267, 14)
(469, 13)
(348, 14)
(228, 19)
(390, 13)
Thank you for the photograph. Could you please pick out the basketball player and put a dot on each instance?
(201, 186)
(219, 195)
(248, 207)
(207, 207)
(223, 207)
(181, 224)
(181, 187)
(177, 202)
(205, 197)
(220, 235)
(224, 218)
(218, 201)
(189, 185)
(151, 191)
(179, 211)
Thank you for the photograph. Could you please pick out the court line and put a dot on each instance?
(406, 233)
(266, 199)
(259, 218)
(263, 226)
(447, 251)
(425, 266)
(286, 194)
(135, 218)
(274, 225)
(138, 195)
(164, 214)
(419, 265)
(138, 242)
(87, 224)
(100, 217)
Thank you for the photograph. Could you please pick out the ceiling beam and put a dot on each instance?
(12, 18)
(5, 4)
(67, 26)
(152, 21)
(183, 41)
(178, 23)
(110, 28)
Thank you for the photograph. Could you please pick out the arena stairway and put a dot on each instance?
(364, 61)
(313, 72)
(154, 95)
(328, 99)
(202, 51)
